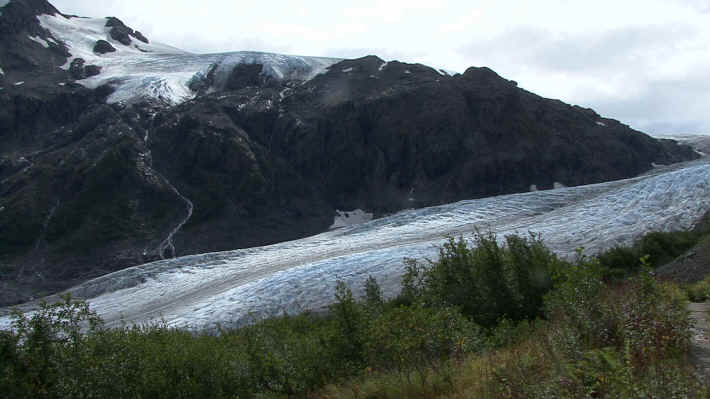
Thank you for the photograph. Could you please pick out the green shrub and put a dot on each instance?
(575, 304)
(700, 291)
(43, 353)
(351, 326)
(418, 337)
(486, 281)
(619, 262)
(664, 247)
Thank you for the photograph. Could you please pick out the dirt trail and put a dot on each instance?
(700, 346)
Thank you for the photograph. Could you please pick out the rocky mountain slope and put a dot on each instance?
(115, 150)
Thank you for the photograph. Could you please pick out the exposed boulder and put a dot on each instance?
(119, 31)
(76, 69)
(122, 33)
(79, 71)
(92, 70)
(140, 37)
(103, 47)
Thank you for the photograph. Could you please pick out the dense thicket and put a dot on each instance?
(489, 318)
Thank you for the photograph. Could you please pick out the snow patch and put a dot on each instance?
(347, 70)
(19, 83)
(383, 66)
(557, 185)
(163, 73)
(600, 123)
(350, 218)
(407, 71)
(135, 73)
(39, 40)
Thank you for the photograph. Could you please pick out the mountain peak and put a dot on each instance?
(20, 15)
(28, 7)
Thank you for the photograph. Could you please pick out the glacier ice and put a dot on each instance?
(160, 72)
(234, 287)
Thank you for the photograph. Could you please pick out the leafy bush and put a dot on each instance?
(486, 281)
(417, 337)
(659, 248)
(700, 291)
(42, 354)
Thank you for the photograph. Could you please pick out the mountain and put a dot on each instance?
(116, 150)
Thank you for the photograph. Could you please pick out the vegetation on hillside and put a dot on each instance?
(488, 319)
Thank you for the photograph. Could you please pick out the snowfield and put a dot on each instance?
(160, 72)
(234, 287)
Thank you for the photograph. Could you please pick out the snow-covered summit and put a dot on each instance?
(140, 70)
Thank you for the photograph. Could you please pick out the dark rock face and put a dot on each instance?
(79, 71)
(23, 59)
(122, 33)
(248, 75)
(76, 68)
(92, 70)
(20, 16)
(103, 47)
(140, 37)
(87, 188)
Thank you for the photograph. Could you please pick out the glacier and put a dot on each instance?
(154, 71)
(235, 287)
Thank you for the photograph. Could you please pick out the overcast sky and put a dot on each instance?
(646, 63)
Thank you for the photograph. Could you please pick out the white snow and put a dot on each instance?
(383, 66)
(1, 71)
(346, 70)
(19, 83)
(407, 71)
(39, 40)
(233, 287)
(600, 123)
(350, 218)
(161, 72)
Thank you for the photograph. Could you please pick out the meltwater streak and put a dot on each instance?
(234, 287)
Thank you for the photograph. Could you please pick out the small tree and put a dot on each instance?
(350, 325)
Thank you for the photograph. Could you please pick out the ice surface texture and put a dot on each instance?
(234, 287)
